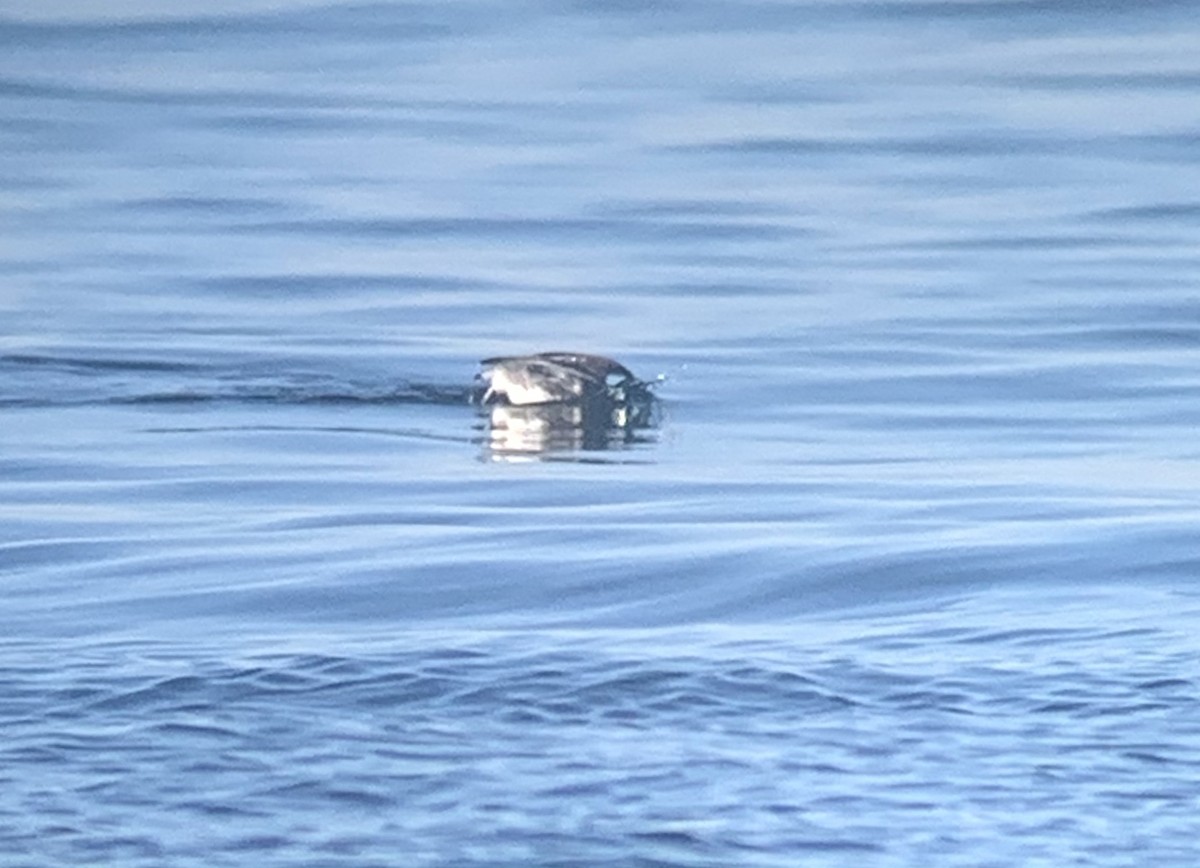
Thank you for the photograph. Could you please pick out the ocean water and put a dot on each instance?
(903, 571)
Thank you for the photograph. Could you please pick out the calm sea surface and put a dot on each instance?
(906, 572)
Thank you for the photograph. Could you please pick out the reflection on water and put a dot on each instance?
(568, 426)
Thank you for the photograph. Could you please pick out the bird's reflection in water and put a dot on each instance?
(556, 430)
(554, 404)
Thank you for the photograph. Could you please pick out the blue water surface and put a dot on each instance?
(904, 572)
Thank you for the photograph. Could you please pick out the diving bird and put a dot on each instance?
(547, 378)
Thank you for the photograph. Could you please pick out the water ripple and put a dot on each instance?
(477, 735)
(67, 381)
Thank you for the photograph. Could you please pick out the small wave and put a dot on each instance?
(282, 393)
(71, 381)
(89, 365)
